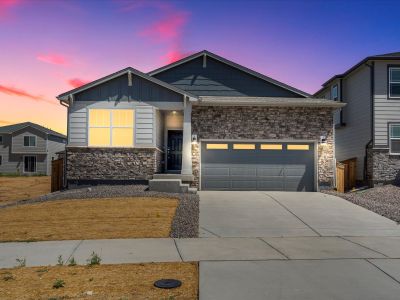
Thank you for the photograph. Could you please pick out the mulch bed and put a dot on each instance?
(184, 225)
(383, 200)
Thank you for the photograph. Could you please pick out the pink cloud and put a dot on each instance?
(77, 82)
(175, 55)
(167, 29)
(22, 93)
(6, 5)
(55, 59)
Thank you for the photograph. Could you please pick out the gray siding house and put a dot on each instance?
(204, 120)
(368, 127)
(28, 148)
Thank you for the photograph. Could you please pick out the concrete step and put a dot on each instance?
(192, 190)
(185, 178)
(170, 186)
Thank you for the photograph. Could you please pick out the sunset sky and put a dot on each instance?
(51, 46)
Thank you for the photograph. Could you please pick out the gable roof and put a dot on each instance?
(386, 56)
(64, 96)
(15, 127)
(232, 64)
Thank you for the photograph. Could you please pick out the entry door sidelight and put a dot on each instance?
(174, 150)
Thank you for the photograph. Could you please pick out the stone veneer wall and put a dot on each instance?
(216, 122)
(385, 168)
(112, 163)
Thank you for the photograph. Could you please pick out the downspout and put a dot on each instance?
(371, 141)
(65, 104)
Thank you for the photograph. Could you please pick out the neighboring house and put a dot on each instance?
(27, 148)
(204, 120)
(368, 128)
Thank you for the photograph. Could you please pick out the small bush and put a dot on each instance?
(8, 276)
(94, 259)
(60, 260)
(72, 262)
(21, 262)
(59, 283)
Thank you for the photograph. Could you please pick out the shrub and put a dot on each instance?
(60, 261)
(59, 283)
(72, 262)
(94, 259)
(21, 262)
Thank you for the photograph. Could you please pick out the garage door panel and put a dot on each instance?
(258, 169)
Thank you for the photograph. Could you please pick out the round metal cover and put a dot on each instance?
(167, 283)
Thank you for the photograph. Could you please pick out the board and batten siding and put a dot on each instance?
(385, 110)
(144, 127)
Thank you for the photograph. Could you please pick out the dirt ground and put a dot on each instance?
(127, 281)
(98, 218)
(23, 187)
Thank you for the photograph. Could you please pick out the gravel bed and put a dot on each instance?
(383, 200)
(184, 225)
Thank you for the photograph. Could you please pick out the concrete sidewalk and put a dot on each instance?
(201, 249)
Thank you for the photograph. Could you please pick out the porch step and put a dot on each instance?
(185, 178)
(170, 186)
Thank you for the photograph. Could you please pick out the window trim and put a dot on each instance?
(110, 110)
(30, 135)
(389, 96)
(390, 138)
(35, 156)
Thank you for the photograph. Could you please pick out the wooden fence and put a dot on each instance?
(57, 174)
(346, 173)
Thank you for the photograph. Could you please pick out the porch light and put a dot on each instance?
(194, 138)
(174, 112)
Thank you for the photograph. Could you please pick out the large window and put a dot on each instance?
(394, 138)
(29, 164)
(111, 127)
(394, 82)
(30, 141)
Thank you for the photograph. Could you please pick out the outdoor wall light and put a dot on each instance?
(174, 112)
(194, 138)
(323, 140)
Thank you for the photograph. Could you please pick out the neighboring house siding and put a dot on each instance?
(18, 141)
(386, 110)
(54, 145)
(351, 140)
(219, 79)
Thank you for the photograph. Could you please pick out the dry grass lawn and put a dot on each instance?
(23, 187)
(127, 281)
(101, 218)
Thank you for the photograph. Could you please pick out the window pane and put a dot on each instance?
(395, 74)
(99, 136)
(122, 117)
(395, 131)
(298, 147)
(271, 147)
(395, 146)
(244, 146)
(395, 89)
(99, 117)
(26, 141)
(217, 146)
(335, 92)
(122, 137)
(32, 141)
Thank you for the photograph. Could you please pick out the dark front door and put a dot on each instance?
(174, 151)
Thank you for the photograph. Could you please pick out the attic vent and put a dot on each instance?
(204, 61)
(129, 79)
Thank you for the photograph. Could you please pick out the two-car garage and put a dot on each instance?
(237, 165)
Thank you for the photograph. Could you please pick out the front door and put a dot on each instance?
(174, 150)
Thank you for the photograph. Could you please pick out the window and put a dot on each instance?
(271, 147)
(1, 160)
(394, 82)
(111, 127)
(30, 141)
(394, 138)
(1, 139)
(29, 164)
(335, 95)
(298, 147)
(244, 146)
(217, 146)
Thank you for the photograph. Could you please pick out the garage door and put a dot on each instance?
(257, 166)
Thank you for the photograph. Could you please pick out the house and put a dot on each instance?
(28, 148)
(368, 128)
(204, 120)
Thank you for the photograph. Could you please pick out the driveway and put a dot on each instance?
(331, 248)
(287, 214)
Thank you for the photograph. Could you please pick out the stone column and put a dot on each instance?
(187, 139)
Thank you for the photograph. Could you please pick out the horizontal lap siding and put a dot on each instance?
(18, 141)
(386, 110)
(145, 122)
(77, 125)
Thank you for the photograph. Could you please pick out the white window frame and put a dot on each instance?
(393, 138)
(390, 81)
(111, 128)
(34, 136)
(35, 156)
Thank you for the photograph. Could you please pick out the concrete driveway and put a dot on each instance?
(287, 214)
(331, 248)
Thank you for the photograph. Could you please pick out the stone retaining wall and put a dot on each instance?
(384, 168)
